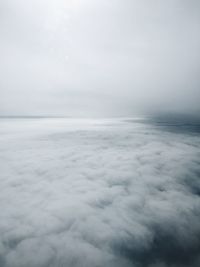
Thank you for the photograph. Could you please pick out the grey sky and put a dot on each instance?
(99, 57)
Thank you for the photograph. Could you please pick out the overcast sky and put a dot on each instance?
(99, 57)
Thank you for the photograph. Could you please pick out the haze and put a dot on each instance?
(99, 57)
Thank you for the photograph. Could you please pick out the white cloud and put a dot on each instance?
(98, 193)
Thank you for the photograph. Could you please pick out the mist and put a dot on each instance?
(99, 58)
(99, 133)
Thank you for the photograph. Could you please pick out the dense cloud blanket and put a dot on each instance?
(88, 193)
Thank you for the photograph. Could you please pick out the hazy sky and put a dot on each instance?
(99, 57)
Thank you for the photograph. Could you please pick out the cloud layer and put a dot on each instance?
(98, 193)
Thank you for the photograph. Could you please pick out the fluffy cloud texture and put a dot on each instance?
(85, 193)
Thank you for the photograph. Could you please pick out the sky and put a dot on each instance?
(99, 57)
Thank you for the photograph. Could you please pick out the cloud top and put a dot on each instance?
(98, 193)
